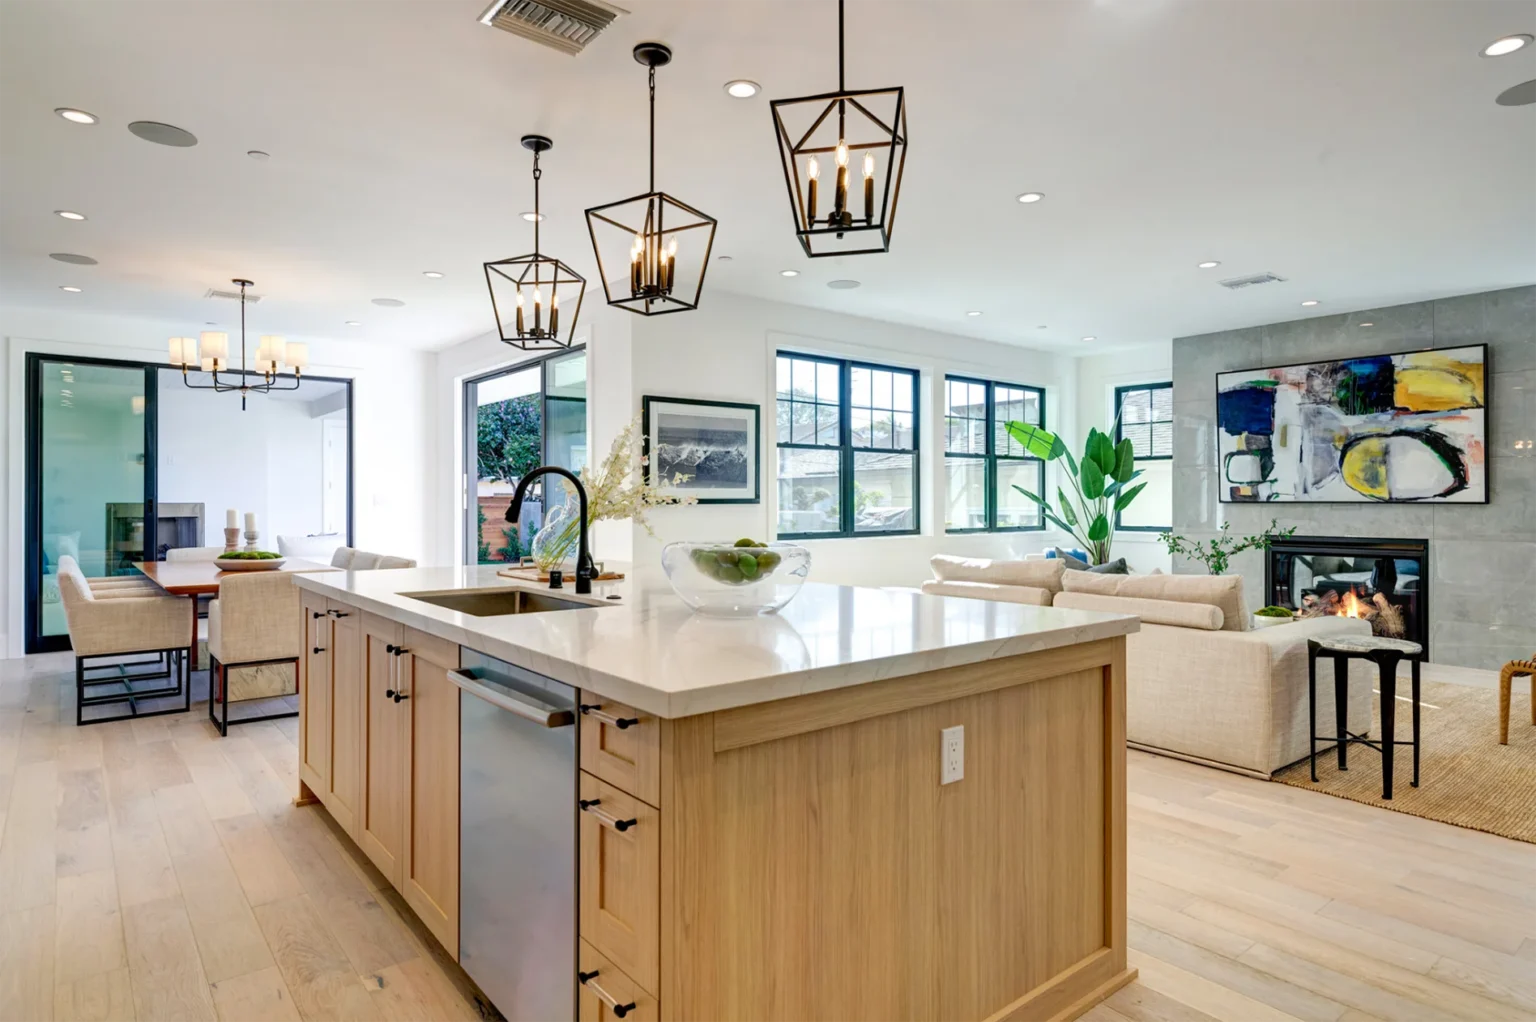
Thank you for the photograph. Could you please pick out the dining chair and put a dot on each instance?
(1507, 677)
(254, 623)
(111, 626)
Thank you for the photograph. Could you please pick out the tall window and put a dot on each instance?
(847, 434)
(983, 463)
(1145, 416)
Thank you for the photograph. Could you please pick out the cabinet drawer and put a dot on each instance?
(622, 746)
(605, 991)
(620, 879)
(441, 652)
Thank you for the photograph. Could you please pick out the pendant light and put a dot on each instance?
(839, 133)
(526, 290)
(652, 250)
(210, 353)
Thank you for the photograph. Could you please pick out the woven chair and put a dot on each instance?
(254, 623)
(1506, 685)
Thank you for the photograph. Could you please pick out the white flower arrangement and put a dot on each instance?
(617, 489)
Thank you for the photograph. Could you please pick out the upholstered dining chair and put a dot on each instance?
(1507, 676)
(254, 626)
(114, 625)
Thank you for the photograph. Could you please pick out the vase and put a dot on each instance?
(554, 545)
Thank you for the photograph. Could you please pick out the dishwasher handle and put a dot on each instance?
(543, 716)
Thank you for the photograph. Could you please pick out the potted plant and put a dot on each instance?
(1216, 554)
(1099, 485)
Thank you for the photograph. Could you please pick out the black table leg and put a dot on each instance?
(1341, 707)
(1415, 664)
(1387, 662)
(1312, 703)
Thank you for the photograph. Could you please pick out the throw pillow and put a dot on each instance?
(1075, 563)
(1040, 574)
(1054, 552)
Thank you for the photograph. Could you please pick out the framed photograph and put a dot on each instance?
(708, 450)
(1405, 428)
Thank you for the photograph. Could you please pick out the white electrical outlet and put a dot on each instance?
(952, 754)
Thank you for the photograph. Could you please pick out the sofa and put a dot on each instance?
(1201, 685)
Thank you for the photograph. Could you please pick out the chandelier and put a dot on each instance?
(522, 318)
(210, 353)
(869, 123)
(652, 276)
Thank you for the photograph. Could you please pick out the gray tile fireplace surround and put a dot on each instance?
(1483, 557)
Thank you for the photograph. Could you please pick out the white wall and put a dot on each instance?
(391, 407)
(725, 350)
(1097, 378)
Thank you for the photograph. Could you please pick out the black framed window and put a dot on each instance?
(847, 448)
(983, 463)
(1144, 416)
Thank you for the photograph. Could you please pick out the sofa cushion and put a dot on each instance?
(1224, 591)
(1091, 582)
(1040, 574)
(1204, 616)
(1031, 595)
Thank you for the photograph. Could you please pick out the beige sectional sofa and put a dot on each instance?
(1200, 685)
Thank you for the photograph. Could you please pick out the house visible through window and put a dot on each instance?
(847, 448)
(1145, 416)
(982, 461)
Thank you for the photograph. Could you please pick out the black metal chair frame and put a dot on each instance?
(1386, 661)
(167, 664)
(218, 692)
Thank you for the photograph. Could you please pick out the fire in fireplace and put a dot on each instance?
(1384, 582)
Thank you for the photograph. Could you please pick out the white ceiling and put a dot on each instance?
(1352, 147)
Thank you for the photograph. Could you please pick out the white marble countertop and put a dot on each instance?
(648, 649)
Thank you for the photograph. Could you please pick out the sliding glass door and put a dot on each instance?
(88, 480)
(516, 419)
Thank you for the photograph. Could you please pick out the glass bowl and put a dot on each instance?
(733, 580)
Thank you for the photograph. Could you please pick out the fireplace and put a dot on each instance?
(1385, 581)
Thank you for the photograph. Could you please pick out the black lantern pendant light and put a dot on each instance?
(652, 250)
(526, 290)
(826, 132)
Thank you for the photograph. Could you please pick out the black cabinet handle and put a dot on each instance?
(401, 697)
(389, 693)
(595, 711)
(619, 1010)
(319, 649)
(316, 614)
(589, 805)
(336, 613)
(401, 651)
(390, 647)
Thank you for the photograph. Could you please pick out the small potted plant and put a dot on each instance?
(1266, 617)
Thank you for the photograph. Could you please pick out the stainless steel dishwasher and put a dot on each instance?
(517, 837)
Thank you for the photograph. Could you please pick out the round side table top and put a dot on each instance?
(1369, 644)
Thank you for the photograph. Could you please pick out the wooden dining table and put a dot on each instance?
(202, 578)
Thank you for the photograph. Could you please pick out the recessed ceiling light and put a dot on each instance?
(1209, 264)
(71, 290)
(69, 214)
(69, 113)
(1523, 94)
(1031, 196)
(789, 273)
(1042, 326)
(1367, 324)
(1310, 302)
(974, 312)
(163, 134)
(72, 258)
(431, 273)
(388, 303)
(258, 155)
(532, 217)
(354, 322)
(741, 88)
(1090, 338)
(842, 285)
(1508, 44)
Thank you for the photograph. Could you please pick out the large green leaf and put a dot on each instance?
(1098, 532)
(1125, 461)
(1034, 497)
(1039, 443)
(1066, 507)
(1063, 526)
(1071, 461)
(1092, 479)
(1100, 451)
(1115, 487)
(1124, 500)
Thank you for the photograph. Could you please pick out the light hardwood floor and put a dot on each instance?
(152, 870)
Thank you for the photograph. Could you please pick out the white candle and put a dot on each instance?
(250, 521)
(230, 521)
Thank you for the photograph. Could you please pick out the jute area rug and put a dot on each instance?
(1466, 777)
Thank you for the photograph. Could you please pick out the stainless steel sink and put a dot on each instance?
(496, 602)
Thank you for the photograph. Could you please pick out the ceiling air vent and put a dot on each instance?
(1238, 283)
(233, 296)
(564, 25)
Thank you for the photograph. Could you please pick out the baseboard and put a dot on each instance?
(1201, 761)
(1096, 996)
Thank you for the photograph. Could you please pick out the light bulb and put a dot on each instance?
(519, 298)
(869, 164)
(537, 298)
(554, 300)
(672, 248)
(812, 169)
(842, 153)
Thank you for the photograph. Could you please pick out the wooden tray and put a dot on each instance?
(535, 575)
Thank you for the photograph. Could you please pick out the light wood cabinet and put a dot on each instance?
(620, 844)
(343, 792)
(605, 993)
(381, 828)
(315, 696)
(430, 716)
(622, 746)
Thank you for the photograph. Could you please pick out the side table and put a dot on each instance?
(1386, 654)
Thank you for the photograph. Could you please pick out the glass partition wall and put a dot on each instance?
(124, 463)
(516, 419)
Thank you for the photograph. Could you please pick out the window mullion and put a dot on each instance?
(845, 440)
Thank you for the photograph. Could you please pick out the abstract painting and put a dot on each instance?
(1407, 428)
(702, 449)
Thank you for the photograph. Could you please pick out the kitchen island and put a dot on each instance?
(874, 804)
